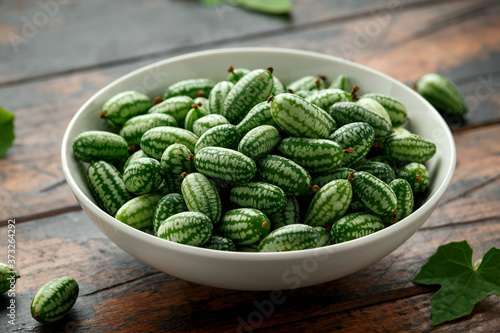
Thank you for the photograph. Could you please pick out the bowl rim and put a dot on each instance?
(253, 256)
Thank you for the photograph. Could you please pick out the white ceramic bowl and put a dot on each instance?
(260, 271)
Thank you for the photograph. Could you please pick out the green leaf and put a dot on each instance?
(462, 285)
(6, 131)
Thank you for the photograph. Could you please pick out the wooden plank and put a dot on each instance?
(48, 105)
(33, 31)
(118, 292)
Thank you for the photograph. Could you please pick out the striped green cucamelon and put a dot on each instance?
(8, 277)
(404, 194)
(350, 112)
(324, 237)
(139, 211)
(259, 115)
(267, 198)
(327, 97)
(376, 195)
(201, 196)
(380, 170)
(156, 140)
(235, 74)
(107, 186)
(298, 117)
(289, 215)
(134, 128)
(251, 89)
(177, 107)
(169, 205)
(177, 159)
(220, 243)
(341, 82)
(245, 226)
(290, 238)
(285, 173)
(408, 148)
(123, 106)
(329, 203)
(310, 82)
(314, 155)
(190, 228)
(396, 110)
(225, 164)
(143, 175)
(193, 115)
(441, 93)
(376, 107)
(259, 141)
(278, 87)
(135, 156)
(205, 123)
(359, 136)
(417, 175)
(100, 145)
(218, 95)
(190, 87)
(202, 102)
(326, 177)
(54, 300)
(353, 226)
(225, 136)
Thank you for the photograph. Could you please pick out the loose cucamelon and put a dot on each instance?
(441, 93)
(310, 82)
(408, 148)
(417, 175)
(324, 237)
(177, 107)
(205, 123)
(396, 110)
(107, 186)
(54, 300)
(285, 173)
(193, 115)
(100, 145)
(201, 196)
(190, 228)
(376, 195)
(278, 87)
(259, 115)
(8, 277)
(156, 140)
(202, 101)
(326, 177)
(380, 170)
(135, 156)
(290, 238)
(251, 89)
(350, 112)
(245, 226)
(404, 195)
(374, 106)
(177, 159)
(259, 141)
(298, 117)
(235, 74)
(358, 136)
(218, 95)
(354, 226)
(341, 82)
(190, 87)
(329, 203)
(123, 106)
(139, 211)
(134, 128)
(327, 97)
(143, 176)
(169, 205)
(289, 215)
(314, 155)
(225, 164)
(220, 243)
(267, 198)
(224, 136)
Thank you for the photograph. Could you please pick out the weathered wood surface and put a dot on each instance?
(48, 104)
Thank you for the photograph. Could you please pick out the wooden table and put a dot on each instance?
(55, 56)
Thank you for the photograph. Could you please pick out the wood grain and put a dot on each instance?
(119, 292)
(31, 180)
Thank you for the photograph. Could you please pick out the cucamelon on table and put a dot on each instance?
(253, 164)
